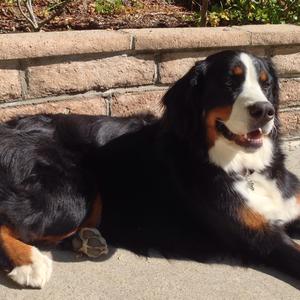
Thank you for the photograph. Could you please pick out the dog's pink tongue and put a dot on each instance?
(256, 134)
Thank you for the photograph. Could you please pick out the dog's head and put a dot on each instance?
(230, 95)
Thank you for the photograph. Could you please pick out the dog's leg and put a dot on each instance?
(285, 256)
(31, 267)
(269, 243)
(293, 228)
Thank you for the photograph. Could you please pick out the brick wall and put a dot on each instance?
(121, 72)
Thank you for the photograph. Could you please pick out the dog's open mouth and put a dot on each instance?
(253, 139)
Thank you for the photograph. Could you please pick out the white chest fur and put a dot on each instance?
(265, 196)
(266, 199)
(232, 158)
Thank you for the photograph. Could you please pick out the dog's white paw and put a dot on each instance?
(35, 274)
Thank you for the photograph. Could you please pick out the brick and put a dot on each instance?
(289, 91)
(188, 38)
(282, 34)
(174, 65)
(290, 121)
(10, 84)
(80, 76)
(127, 104)
(258, 51)
(290, 49)
(287, 64)
(93, 106)
(45, 44)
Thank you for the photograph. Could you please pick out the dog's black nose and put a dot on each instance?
(262, 111)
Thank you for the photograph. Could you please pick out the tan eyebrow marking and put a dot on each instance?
(238, 70)
(263, 76)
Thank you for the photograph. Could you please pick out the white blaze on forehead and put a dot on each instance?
(251, 92)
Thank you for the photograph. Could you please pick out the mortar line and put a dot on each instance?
(157, 61)
(289, 109)
(23, 79)
(59, 98)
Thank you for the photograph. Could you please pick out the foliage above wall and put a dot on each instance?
(241, 12)
(34, 15)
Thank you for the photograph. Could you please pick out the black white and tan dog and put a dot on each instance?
(208, 177)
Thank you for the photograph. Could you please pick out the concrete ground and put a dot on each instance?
(127, 276)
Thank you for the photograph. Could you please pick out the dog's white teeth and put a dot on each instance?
(251, 140)
(254, 140)
(260, 130)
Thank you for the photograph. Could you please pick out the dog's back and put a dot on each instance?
(47, 186)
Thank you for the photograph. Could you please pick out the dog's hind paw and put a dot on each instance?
(35, 274)
(90, 242)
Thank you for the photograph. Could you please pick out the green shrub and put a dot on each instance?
(108, 6)
(240, 12)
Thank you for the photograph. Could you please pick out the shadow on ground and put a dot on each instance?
(65, 256)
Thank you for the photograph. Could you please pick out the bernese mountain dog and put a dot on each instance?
(207, 178)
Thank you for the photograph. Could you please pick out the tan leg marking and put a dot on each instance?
(18, 252)
(88, 239)
(94, 217)
(252, 219)
(92, 220)
(55, 239)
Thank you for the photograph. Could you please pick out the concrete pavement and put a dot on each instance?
(127, 276)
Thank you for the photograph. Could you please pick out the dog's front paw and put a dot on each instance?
(90, 242)
(35, 274)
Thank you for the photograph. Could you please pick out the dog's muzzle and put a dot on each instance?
(261, 113)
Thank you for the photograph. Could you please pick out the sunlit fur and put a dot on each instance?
(175, 184)
(47, 188)
(182, 188)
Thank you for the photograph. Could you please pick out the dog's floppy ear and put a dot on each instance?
(274, 82)
(182, 102)
(273, 93)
